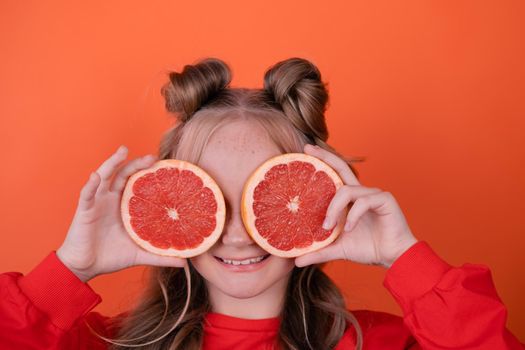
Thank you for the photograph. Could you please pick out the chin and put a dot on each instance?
(239, 292)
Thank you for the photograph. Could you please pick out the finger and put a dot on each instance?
(147, 258)
(87, 194)
(375, 202)
(109, 165)
(343, 196)
(131, 168)
(328, 253)
(335, 162)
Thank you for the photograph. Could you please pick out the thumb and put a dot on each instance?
(147, 258)
(328, 253)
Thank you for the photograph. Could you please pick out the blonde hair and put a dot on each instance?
(291, 109)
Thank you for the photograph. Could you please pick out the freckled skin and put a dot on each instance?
(233, 152)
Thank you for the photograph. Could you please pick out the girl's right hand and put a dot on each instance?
(97, 241)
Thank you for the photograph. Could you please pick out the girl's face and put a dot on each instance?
(255, 290)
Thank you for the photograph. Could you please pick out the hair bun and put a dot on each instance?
(295, 84)
(196, 85)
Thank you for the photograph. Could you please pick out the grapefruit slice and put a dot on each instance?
(173, 208)
(284, 204)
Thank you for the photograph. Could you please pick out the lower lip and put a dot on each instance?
(244, 268)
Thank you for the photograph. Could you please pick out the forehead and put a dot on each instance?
(234, 151)
(240, 135)
(242, 138)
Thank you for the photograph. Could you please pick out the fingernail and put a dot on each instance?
(309, 147)
(327, 223)
(149, 158)
(122, 148)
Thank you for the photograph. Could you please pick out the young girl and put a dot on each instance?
(277, 303)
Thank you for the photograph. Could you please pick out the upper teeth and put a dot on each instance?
(243, 262)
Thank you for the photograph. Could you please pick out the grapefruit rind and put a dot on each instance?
(248, 215)
(207, 182)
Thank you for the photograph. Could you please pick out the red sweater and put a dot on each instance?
(444, 307)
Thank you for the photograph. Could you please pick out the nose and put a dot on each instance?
(234, 233)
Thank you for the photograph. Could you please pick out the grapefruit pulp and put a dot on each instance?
(284, 204)
(173, 208)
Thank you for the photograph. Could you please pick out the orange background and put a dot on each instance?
(432, 92)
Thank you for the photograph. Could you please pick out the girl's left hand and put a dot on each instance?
(375, 233)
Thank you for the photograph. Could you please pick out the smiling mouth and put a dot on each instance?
(251, 261)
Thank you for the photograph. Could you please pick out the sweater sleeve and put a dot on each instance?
(447, 307)
(47, 309)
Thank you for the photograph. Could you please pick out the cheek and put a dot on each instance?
(201, 264)
(281, 266)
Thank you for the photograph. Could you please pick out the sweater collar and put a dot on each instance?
(218, 320)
